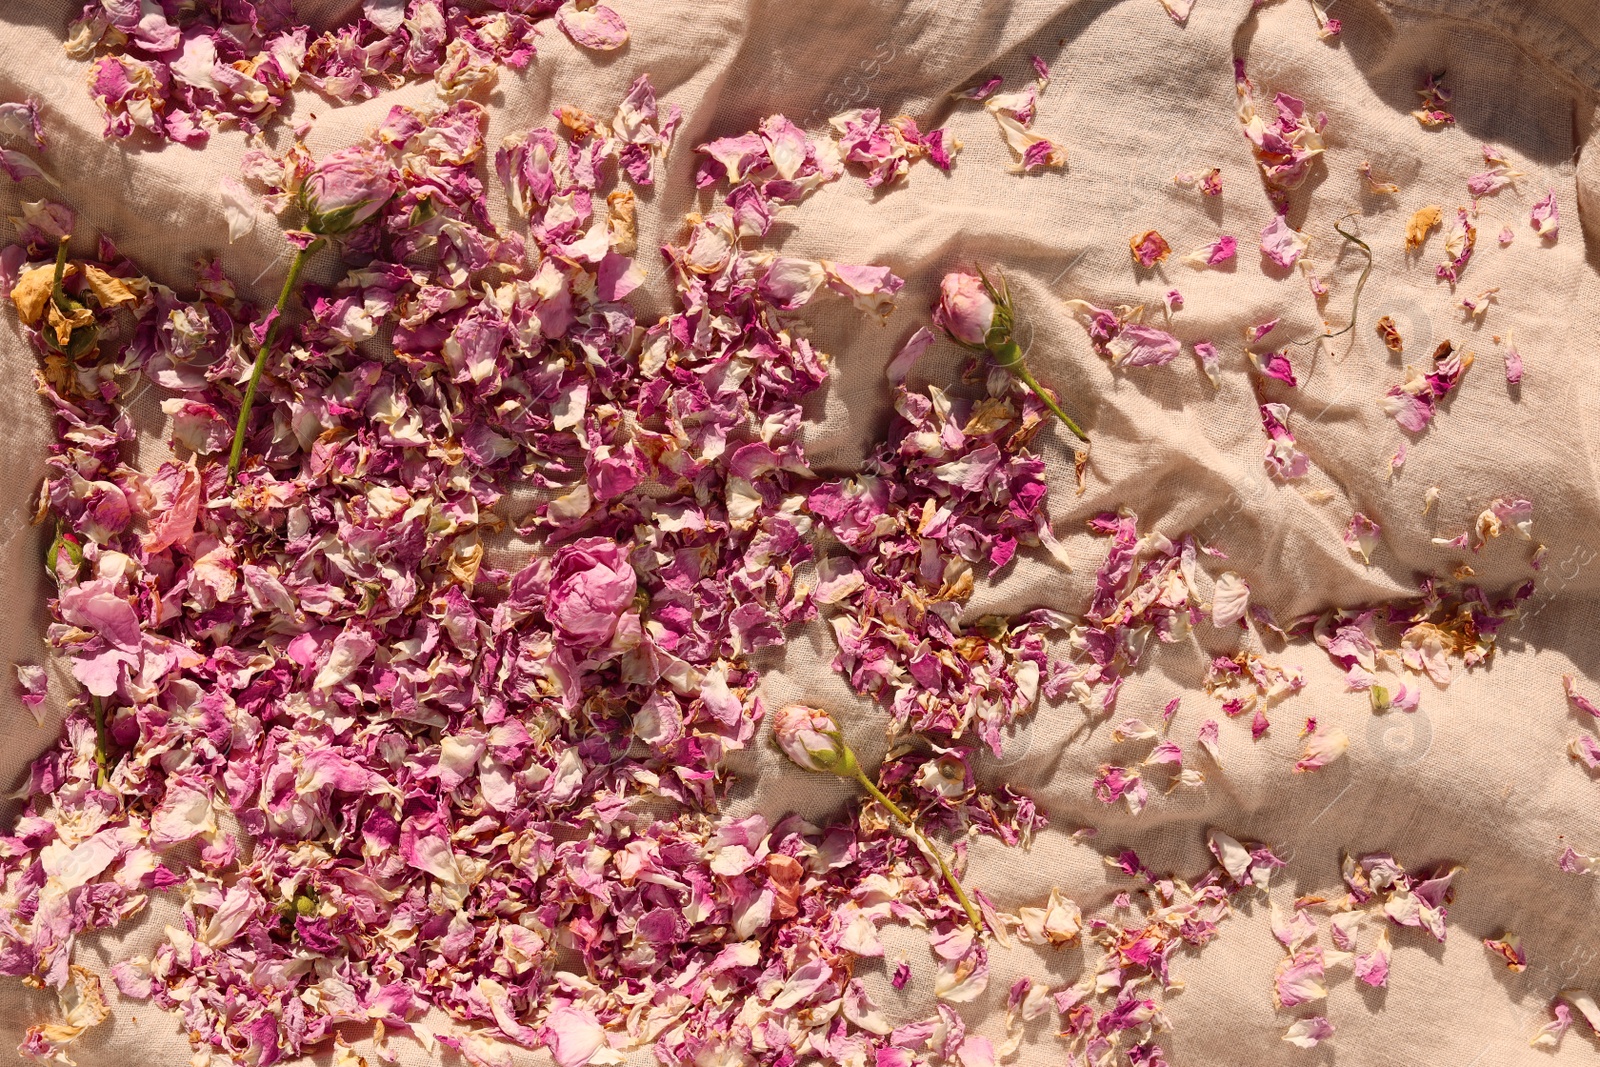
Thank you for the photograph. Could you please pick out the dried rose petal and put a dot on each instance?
(592, 26)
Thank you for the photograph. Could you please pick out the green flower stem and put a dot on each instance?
(61, 272)
(58, 297)
(1021, 371)
(944, 868)
(295, 267)
(1009, 357)
(102, 743)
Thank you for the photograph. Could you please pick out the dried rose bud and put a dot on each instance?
(64, 557)
(966, 310)
(346, 189)
(977, 314)
(811, 738)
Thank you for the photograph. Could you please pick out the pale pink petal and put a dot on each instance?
(597, 27)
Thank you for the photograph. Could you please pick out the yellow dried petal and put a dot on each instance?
(32, 292)
(988, 416)
(464, 563)
(108, 289)
(579, 121)
(620, 222)
(65, 324)
(1390, 334)
(1421, 223)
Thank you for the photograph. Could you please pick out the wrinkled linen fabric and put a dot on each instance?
(1479, 775)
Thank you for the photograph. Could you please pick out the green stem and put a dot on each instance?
(59, 297)
(1021, 371)
(295, 266)
(102, 743)
(938, 857)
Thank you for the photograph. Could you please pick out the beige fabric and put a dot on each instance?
(1479, 776)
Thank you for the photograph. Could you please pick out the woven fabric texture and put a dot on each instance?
(1479, 775)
